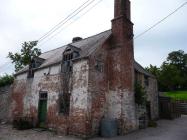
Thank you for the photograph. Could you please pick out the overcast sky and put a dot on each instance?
(26, 20)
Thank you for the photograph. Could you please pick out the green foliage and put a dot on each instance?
(172, 75)
(140, 94)
(25, 56)
(177, 95)
(6, 80)
(178, 58)
(154, 70)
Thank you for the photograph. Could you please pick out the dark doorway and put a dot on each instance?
(42, 109)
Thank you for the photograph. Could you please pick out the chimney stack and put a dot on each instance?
(121, 66)
(122, 8)
(122, 27)
(122, 45)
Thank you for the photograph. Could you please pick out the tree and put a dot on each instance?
(24, 58)
(6, 80)
(179, 59)
(156, 72)
(170, 78)
(172, 75)
(153, 70)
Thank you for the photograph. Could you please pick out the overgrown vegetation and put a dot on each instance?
(140, 94)
(172, 75)
(24, 58)
(177, 95)
(6, 80)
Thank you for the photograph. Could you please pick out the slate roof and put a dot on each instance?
(140, 69)
(87, 47)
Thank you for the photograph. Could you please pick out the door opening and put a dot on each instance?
(42, 109)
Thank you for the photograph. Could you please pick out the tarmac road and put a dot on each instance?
(166, 130)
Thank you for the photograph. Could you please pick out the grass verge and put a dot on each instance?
(177, 95)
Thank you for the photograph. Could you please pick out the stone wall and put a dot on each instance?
(5, 100)
(152, 94)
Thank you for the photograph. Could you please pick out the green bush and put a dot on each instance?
(140, 94)
(6, 80)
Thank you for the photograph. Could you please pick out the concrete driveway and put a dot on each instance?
(166, 130)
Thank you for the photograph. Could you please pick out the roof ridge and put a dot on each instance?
(76, 42)
(91, 36)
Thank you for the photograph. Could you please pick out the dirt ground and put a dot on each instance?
(166, 130)
(7, 133)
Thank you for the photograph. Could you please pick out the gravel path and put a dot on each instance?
(166, 130)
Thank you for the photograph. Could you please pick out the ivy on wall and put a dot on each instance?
(140, 94)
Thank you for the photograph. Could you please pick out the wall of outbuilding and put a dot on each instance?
(152, 96)
(5, 101)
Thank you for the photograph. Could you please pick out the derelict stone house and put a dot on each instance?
(71, 88)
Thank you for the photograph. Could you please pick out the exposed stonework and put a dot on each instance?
(152, 94)
(5, 100)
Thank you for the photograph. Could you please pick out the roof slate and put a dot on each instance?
(87, 47)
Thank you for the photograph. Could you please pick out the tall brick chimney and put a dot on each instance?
(122, 27)
(121, 68)
(122, 45)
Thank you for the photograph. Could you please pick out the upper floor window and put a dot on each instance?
(35, 63)
(99, 66)
(69, 54)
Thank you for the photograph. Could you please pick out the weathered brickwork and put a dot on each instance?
(98, 87)
(97, 73)
(18, 94)
(121, 67)
(80, 100)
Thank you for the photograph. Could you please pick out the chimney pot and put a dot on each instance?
(76, 39)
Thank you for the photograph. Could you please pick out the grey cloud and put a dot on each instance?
(23, 20)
